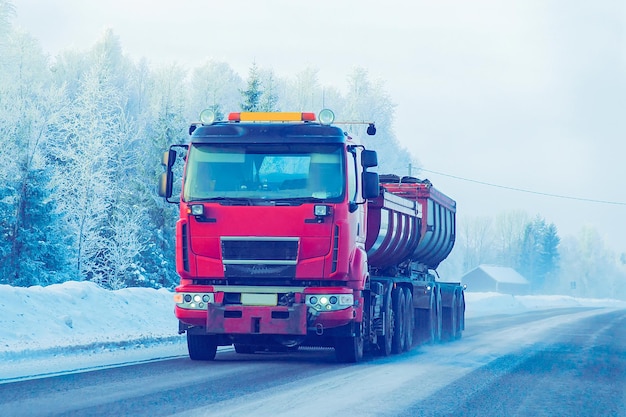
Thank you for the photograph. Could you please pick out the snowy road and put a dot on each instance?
(557, 362)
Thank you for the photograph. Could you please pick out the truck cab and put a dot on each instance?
(272, 230)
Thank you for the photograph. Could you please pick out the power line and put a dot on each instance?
(590, 200)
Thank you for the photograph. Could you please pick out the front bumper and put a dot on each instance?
(296, 320)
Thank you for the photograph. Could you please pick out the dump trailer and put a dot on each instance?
(288, 238)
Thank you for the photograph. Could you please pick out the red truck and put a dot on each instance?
(287, 239)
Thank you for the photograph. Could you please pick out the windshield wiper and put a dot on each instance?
(297, 200)
(226, 201)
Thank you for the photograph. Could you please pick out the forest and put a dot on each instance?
(82, 135)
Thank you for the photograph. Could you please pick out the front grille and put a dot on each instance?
(260, 249)
(259, 257)
(260, 271)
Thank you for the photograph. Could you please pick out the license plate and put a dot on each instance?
(259, 299)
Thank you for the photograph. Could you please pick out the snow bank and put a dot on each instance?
(76, 314)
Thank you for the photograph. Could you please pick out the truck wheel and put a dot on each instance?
(449, 318)
(201, 347)
(385, 341)
(410, 319)
(349, 349)
(399, 314)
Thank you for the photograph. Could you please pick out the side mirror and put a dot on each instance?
(168, 159)
(165, 184)
(371, 185)
(371, 129)
(369, 159)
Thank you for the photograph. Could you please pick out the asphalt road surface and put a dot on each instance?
(567, 362)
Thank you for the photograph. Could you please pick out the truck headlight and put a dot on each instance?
(330, 302)
(194, 301)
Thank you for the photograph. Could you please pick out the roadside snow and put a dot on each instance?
(75, 325)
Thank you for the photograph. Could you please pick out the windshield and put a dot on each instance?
(271, 172)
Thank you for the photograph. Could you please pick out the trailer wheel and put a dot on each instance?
(385, 341)
(410, 319)
(399, 314)
(349, 349)
(201, 347)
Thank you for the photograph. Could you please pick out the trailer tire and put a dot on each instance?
(201, 347)
(399, 313)
(409, 331)
(349, 349)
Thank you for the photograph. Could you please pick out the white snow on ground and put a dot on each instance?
(75, 325)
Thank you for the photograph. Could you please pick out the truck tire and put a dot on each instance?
(201, 347)
(349, 349)
(410, 319)
(399, 315)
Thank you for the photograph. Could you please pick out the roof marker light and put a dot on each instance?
(308, 117)
(271, 117)
(326, 117)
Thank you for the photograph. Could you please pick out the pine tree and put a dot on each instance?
(539, 256)
(252, 94)
(41, 241)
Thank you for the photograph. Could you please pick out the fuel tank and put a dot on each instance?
(410, 220)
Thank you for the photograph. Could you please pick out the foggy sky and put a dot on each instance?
(528, 94)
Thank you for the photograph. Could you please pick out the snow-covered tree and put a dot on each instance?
(589, 268)
(304, 92)
(29, 105)
(268, 101)
(509, 227)
(215, 86)
(85, 169)
(7, 13)
(169, 104)
(475, 236)
(368, 101)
